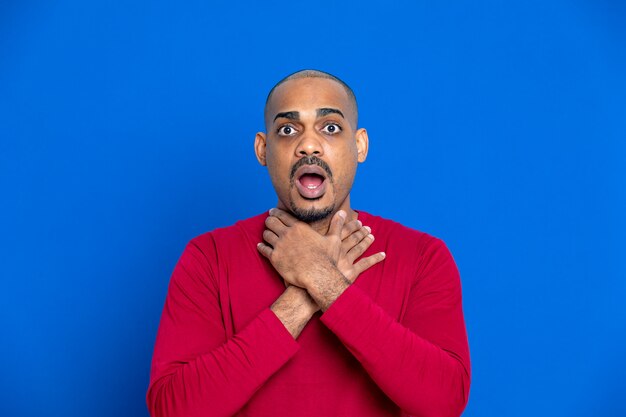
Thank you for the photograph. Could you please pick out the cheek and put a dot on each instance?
(345, 177)
(346, 165)
(278, 170)
(278, 156)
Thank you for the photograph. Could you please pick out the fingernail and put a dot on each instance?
(359, 223)
(270, 211)
(384, 254)
(371, 236)
(369, 229)
(342, 214)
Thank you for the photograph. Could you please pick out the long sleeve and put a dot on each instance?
(422, 361)
(196, 370)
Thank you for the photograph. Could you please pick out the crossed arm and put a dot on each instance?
(433, 381)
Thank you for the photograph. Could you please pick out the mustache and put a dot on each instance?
(310, 160)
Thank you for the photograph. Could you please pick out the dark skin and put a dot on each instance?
(305, 117)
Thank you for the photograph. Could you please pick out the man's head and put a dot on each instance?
(312, 145)
(316, 74)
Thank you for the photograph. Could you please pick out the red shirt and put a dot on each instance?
(394, 343)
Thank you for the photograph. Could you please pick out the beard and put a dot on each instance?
(311, 215)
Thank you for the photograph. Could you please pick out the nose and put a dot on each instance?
(309, 145)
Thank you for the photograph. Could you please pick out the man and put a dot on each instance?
(300, 311)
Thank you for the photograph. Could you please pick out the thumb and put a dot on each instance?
(336, 224)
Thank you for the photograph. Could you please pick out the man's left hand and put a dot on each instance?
(299, 253)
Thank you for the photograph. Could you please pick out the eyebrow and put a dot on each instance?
(294, 115)
(291, 115)
(327, 110)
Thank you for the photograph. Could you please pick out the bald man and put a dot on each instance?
(312, 309)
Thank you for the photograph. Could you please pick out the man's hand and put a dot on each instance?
(324, 265)
(356, 239)
(298, 252)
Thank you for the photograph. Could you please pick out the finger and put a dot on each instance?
(360, 248)
(275, 225)
(337, 223)
(270, 237)
(352, 240)
(265, 250)
(350, 228)
(283, 216)
(366, 263)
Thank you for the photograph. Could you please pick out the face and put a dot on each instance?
(311, 147)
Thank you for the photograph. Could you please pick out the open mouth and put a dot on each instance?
(311, 181)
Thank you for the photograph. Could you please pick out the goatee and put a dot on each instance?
(311, 215)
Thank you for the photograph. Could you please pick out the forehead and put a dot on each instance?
(309, 94)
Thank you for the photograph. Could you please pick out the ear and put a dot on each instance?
(259, 147)
(362, 143)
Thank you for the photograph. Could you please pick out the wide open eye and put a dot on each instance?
(287, 130)
(331, 128)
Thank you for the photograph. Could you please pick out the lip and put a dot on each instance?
(307, 193)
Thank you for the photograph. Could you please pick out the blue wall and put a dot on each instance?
(126, 128)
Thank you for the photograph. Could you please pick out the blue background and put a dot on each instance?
(126, 128)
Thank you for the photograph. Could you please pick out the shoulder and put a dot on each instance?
(425, 250)
(209, 254)
(240, 233)
(398, 234)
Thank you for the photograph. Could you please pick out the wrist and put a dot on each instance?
(294, 308)
(320, 270)
(328, 287)
(299, 297)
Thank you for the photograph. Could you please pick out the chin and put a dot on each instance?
(311, 214)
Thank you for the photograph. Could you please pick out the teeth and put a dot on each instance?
(311, 187)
